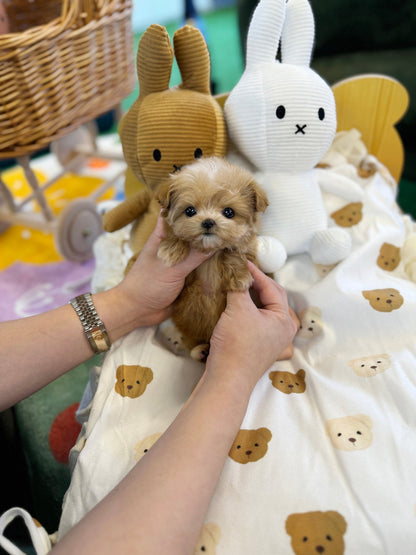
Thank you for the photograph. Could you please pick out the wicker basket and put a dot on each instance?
(64, 63)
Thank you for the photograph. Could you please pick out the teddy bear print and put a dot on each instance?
(288, 383)
(324, 270)
(389, 257)
(384, 300)
(310, 322)
(250, 445)
(366, 169)
(132, 380)
(349, 215)
(317, 532)
(369, 366)
(143, 446)
(208, 540)
(350, 433)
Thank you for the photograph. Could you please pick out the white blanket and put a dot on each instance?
(331, 432)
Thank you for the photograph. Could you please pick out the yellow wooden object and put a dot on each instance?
(373, 104)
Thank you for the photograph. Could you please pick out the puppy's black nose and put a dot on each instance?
(208, 224)
(300, 129)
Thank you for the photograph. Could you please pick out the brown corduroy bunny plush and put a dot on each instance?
(165, 128)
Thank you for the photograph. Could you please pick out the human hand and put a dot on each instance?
(150, 287)
(247, 340)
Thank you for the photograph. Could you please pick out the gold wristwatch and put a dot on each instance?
(93, 326)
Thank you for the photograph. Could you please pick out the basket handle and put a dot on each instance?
(81, 11)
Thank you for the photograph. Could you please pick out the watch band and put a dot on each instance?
(93, 326)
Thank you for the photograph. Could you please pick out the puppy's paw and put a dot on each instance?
(171, 252)
(200, 352)
(240, 281)
(171, 338)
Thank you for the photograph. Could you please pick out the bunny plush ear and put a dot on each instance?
(193, 59)
(154, 60)
(264, 32)
(298, 33)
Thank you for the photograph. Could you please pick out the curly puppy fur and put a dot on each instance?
(211, 206)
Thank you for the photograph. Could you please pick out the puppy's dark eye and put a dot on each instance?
(228, 212)
(280, 112)
(190, 211)
(157, 155)
(321, 114)
(198, 153)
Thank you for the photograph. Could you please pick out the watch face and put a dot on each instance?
(97, 334)
(99, 339)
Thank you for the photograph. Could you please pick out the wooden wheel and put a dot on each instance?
(79, 226)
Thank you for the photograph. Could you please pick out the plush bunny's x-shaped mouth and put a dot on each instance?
(300, 129)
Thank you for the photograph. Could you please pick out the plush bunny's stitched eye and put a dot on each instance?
(157, 155)
(321, 114)
(228, 212)
(280, 112)
(198, 153)
(190, 211)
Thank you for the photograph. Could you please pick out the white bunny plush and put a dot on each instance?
(281, 116)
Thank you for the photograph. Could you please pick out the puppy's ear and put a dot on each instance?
(259, 197)
(163, 194)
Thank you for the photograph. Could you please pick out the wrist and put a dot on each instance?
(236, 385)
(118, 313)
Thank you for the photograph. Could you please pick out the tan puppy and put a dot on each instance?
(210, 206)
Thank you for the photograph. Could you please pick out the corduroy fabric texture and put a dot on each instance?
(165, 128)
(173, 121)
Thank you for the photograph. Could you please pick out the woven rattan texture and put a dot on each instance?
(64, 63)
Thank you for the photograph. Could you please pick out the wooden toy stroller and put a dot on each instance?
(64, 63)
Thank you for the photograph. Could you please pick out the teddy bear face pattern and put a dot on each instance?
(310, 322)
(324, 269)
(349, 215)
(389, 257)
(143, 446)
(317, 532)
(384, 300)
(366, 169)
(208, 540)
(250, 445)
(132, 380)
(350, 433)
(369, 366)
(288, 383)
